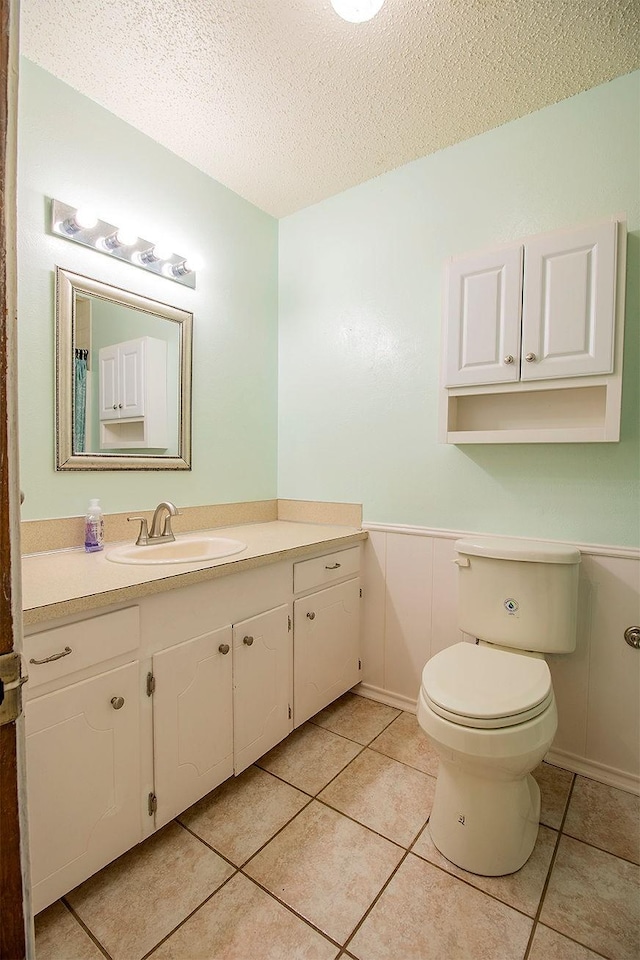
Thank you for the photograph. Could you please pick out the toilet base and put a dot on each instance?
(484, 826)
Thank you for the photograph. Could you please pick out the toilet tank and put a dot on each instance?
(518, 595)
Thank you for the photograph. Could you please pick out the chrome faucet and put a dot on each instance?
(164, 509)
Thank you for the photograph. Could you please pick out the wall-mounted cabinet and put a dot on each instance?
(533, 340)
(133, 394)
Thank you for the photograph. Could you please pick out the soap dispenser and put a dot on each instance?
(93, 528)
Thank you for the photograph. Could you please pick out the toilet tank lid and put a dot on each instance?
(502, 548)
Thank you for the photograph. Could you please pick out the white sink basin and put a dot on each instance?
(183, 550)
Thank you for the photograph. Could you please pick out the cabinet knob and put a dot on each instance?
(224, 648)
(120, 406)
(247, 640)
(632, 636)
(508, 359)
(311, 615)
(530, 357)
(115, 406)
(117, 703)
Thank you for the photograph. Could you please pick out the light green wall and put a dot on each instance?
(359, 330)
(77, 152)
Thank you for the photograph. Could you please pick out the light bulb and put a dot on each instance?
(126, 237)
(356, 11)
(85, 217)
(162, 252)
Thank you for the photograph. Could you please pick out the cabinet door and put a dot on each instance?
(326, 647)
(109, 383)
(192, 721)
(483, 318)
(569, 303)
(83, 772)
(132, 378)
(262, 685)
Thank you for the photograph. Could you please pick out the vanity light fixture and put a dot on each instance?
(356, 11)
(83, 226)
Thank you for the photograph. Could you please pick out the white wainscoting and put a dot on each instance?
(410, 591)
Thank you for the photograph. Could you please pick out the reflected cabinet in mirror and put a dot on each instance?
(123, 379)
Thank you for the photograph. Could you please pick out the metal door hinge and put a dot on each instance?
(289, 624)
(152, 804)
(361, 593)
(11, 681)
(151, 684)
(359, 664)
(290, 714)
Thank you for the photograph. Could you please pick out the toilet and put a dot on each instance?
(488, 707)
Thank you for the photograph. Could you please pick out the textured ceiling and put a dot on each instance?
(286, 104)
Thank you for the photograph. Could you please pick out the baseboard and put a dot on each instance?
(384, 696)
(595, 771)
(559, 758)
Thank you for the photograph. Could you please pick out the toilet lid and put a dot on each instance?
(487, 684)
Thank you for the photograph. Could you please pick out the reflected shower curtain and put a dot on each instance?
(80, 400)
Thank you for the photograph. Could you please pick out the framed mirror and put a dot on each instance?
(123, 379)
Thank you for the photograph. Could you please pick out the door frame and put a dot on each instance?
(16, 927)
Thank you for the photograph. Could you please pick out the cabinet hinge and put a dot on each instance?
(289, 624)
(152, 805)
(359, 664)
(11, 682)
(290, 714)
(361, 593)
(151, 684)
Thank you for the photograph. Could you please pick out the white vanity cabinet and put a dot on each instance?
(133, 394)
(326, 630)
(83, 752)
(532, 340)
(134, 714)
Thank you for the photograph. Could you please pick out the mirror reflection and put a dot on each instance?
(123, 379)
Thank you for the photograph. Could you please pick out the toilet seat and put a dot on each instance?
(484, 687)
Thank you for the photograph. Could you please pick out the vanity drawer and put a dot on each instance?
(88, 641)
(324, 570)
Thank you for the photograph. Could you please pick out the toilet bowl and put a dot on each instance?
(488, 707)
(487, 805)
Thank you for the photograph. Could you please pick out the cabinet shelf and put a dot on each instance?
(573, 414)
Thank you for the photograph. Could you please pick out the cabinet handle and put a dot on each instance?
(224, 648)
(530, 357)
(508, 359)
(54, 656)
(333, 566)
(632, 636)
(311, 615)
(247, 640)
(117, 703)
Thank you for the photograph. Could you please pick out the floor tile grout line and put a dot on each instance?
(594, 846)
(283, 903)
(86, 929)
(190, 915)
(375, 900)
(552, 864)
(261, 848)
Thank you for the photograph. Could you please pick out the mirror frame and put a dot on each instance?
(67, 285)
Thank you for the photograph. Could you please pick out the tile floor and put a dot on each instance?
(321, 851)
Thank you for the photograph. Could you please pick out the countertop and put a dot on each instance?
(64, 582)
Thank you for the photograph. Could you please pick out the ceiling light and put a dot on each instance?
(356, 11)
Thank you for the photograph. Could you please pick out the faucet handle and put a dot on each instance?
(143, 536)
